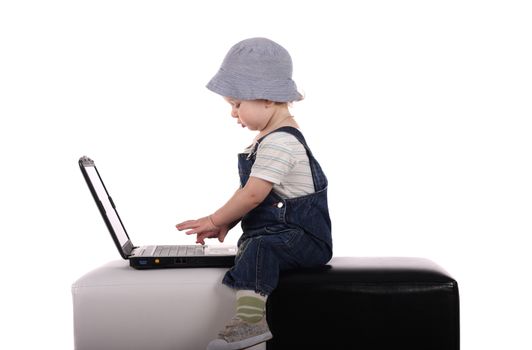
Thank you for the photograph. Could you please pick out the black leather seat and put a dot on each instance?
(366, 303)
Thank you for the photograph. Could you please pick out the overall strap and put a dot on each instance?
(319, 178)
(292, 131)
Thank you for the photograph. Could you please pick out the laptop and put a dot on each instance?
(153, 256)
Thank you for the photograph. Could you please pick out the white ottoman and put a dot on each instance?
(118, 307)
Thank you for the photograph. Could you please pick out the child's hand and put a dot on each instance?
(203, 228)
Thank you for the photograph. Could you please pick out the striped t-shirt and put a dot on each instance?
(282, 160)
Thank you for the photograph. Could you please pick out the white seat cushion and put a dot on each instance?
(118, 307)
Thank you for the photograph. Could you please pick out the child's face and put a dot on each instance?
(253, 114)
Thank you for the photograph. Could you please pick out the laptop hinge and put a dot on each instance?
(133, 251)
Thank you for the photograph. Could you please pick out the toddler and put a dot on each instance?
(282, 200)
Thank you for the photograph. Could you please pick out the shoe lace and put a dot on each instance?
(235, 321)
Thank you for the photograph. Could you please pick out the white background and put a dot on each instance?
(419, 111)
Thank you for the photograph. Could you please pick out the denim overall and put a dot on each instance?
(281, 234)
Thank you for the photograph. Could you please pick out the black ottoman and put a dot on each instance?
(366, 303)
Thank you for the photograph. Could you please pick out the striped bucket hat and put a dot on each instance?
(256, 69)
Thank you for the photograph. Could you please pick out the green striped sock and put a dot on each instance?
(250, 306)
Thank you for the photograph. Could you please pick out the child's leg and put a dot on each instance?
(255, 275)
(250, 306)
(262, 254)
(248, 327)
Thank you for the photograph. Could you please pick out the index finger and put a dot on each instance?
(186, 225)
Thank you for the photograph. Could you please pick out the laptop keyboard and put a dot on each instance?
(178, 250)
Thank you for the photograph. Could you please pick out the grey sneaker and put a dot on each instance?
(239, 334)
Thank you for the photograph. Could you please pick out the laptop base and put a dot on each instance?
(144, 263)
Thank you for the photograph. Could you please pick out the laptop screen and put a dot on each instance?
(107, 205)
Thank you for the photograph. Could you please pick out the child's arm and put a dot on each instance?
(243, 200)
